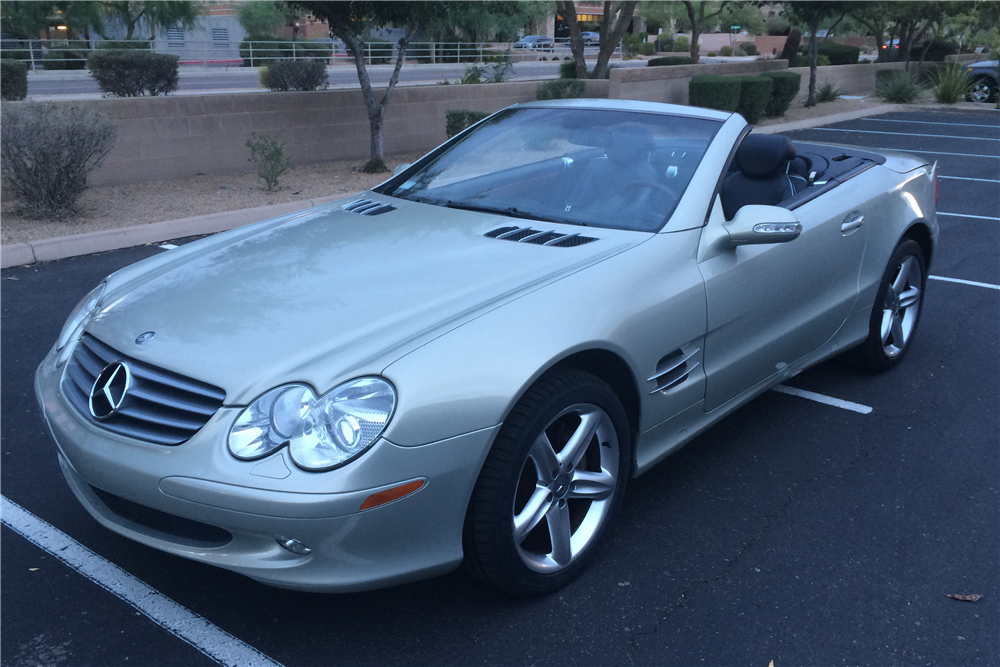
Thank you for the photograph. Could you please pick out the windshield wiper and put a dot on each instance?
(510, 212)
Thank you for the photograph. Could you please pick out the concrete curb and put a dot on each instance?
(46, 250)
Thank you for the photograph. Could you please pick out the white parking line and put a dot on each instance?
(820, 398)
(964, 282)
(168, 246)
(886, 148)
(211, 640)
(964, 215)
(929, 122)
(906, 134)
(966, 178)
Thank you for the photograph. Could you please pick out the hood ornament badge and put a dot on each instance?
(142, 338)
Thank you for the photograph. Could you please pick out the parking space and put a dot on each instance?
(798, 530)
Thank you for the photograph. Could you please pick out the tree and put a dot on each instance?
(745, 15)
(811, 14)
(24, 19)
(482, 21)
(165, 13)
(699, 17)
(262, 19)
(352, 22)
(615, 21)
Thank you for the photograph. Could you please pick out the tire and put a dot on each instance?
(541, 506)
(983, 90)
(896, 311)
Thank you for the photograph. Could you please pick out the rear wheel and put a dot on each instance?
(550, 485)
(983, 90)
(896, 312)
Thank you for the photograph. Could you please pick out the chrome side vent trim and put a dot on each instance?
(673, 369)
(368, 207)
(543, 238)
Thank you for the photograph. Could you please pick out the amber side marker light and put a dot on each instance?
(387, 496)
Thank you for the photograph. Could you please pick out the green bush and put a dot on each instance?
(63, 60)
(715, 92)
(130, 73)
(938, 48)
(821, 60)
(632, 44)
(726, 51)
(648, 48)
(47, 150)
(749, 48)
(664, 44)
(282, 75)
(268, 153)
(567, 70)
(712, 54)
(669, 61)
(755, 93)
(828, 92)
(15, 54)
(681, 43)
(13, 80)
(457, 120)
(839, 54)
(496, 69)
(950, 84)
(785, 86)
(267, 51)
(897, 87)
(560, 89)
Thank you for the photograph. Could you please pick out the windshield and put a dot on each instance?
(603, 168)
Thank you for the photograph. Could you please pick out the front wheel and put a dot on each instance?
(897, 308)
(550, 485)
(983, 90)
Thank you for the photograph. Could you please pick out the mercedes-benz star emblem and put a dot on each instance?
(110, 387)
(142, 338)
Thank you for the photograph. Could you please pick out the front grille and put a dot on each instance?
(178, 529)
(160, 407)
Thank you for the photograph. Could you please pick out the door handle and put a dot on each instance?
(852, 225)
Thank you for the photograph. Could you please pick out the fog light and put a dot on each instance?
(294, 546)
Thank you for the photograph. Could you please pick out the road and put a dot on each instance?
(793, 531)
(196, 78)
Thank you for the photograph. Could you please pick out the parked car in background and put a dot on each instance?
(985, 78)
(591, 38)
(469, 361)
(535, 42)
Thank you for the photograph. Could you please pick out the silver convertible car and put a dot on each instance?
(468, 362)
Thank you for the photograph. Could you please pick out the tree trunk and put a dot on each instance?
(576, 46)
(693, 47)
(813, 55)
(611, 35)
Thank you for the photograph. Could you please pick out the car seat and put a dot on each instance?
(765, 175)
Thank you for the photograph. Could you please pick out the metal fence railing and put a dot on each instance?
(72, 54)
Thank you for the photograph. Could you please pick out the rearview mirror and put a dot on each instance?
(757, 224)
(401, 168)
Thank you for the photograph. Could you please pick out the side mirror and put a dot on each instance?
(401, 168)
(755, 224)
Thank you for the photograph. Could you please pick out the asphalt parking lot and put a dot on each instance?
(794, 531)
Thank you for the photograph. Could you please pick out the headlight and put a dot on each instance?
(321, 432)
(72, 329)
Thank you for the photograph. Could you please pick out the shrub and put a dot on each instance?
(784, 88)
(828, 92)
(839, 54)
(13, 80)
(821, 60)
(755, 93)
(749, 48)
(648, 48)
(950, 84)
(269, 155)
(897, 87)
(261, 52)
(285, 75)
(47, 150)
(457, 120)
(715, 92)
(669, 61)
(15, 54)
(63, 60)
(712, 54)
(262, 76)
(496, 70)
(632, 44)
(130, 73)
(560, 89)
(726, 51)
(937, 49)
(681, 43)
(567, 70)
(664, 44)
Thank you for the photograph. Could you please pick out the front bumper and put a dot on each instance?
(245, 506)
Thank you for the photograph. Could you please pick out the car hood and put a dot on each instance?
(327, 296)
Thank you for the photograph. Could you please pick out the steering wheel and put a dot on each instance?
(652, 185)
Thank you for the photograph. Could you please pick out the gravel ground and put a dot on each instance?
(112, 207)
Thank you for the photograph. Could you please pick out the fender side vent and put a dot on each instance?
(544, 238)
(673, 369)
(368, 207)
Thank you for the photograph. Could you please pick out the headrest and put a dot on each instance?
(763, 155)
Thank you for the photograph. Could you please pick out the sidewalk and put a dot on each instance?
(19, 254)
